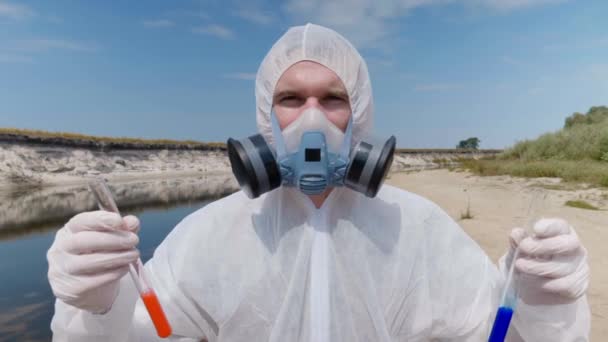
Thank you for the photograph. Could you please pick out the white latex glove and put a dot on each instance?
(552, 264)
(89, 256)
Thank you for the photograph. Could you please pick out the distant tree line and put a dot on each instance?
(584, 136)
(470, 143)
(594, 115)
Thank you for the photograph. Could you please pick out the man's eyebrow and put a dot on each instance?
(283, 93)
(333, 91)
(338, 92)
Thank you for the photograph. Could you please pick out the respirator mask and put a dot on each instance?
(311, 154)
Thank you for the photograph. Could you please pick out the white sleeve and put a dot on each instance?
(128, 319)
(74, 325)
(464, 284)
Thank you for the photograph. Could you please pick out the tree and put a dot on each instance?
(594, 115)
(470, 143)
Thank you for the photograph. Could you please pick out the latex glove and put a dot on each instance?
(552, 264)
(89, 256)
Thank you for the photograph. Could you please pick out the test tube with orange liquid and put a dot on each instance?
(106, 202)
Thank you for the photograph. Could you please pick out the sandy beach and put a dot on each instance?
(500, 203)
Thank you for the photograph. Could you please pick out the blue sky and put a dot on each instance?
(442, 70)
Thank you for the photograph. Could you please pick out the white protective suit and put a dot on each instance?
(392, 268)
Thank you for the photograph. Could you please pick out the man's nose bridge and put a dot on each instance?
(312, 102)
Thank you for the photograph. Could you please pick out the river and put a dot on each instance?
(26, 300)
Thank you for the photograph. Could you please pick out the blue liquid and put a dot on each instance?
(501, 324)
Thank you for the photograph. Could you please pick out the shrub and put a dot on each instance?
(581, 205)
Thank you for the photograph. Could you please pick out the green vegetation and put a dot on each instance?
(581, 205)
(594, 116)
(443, 162)
(587, 171)
(584, 136)
(576, 153)
(470, 143)
(467, 215)
(559, 186)
(100, 139)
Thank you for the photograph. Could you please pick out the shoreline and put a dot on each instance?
(40, 209)
(40, 159)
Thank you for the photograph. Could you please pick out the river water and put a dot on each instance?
(26, 300)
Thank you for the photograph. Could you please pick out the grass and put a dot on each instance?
(118, 140)
(578, 153)
(559, 187)
(587, 140)
(581, 205)
(467, 215)
(577, 171)
(441, 160)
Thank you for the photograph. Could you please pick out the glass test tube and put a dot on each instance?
(510, 293)
(106, 202)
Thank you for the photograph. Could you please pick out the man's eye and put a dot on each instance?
(290, 100)
(333, 100)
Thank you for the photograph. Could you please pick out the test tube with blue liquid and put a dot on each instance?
(510, 293)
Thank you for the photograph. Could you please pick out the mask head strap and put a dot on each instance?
(348, 136)
(277, 136)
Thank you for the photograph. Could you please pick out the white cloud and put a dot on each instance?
(216, 31)
(13, 58)
(512, 61)
(536, 90)
(600, 41)
(41, 45)
(255, 16)
(599, 76)
(54, 19)
(247, 76)
(15, 11)
(188, 13)
(363, 22)
(597, 72)
(368, 22)
(438, 87)
(409, 76)
(508, 5)
(576, 44)
(160, 23)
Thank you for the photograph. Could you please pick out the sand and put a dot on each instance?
(46, 166)
(500, 203)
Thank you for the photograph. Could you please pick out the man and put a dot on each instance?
(333, 267)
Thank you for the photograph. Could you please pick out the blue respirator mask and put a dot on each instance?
(311, 154)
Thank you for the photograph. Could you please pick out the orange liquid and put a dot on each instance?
(156, 314)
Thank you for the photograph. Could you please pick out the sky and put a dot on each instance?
(441, 70)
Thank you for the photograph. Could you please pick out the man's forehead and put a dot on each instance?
(295, 88)
(309, 74)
